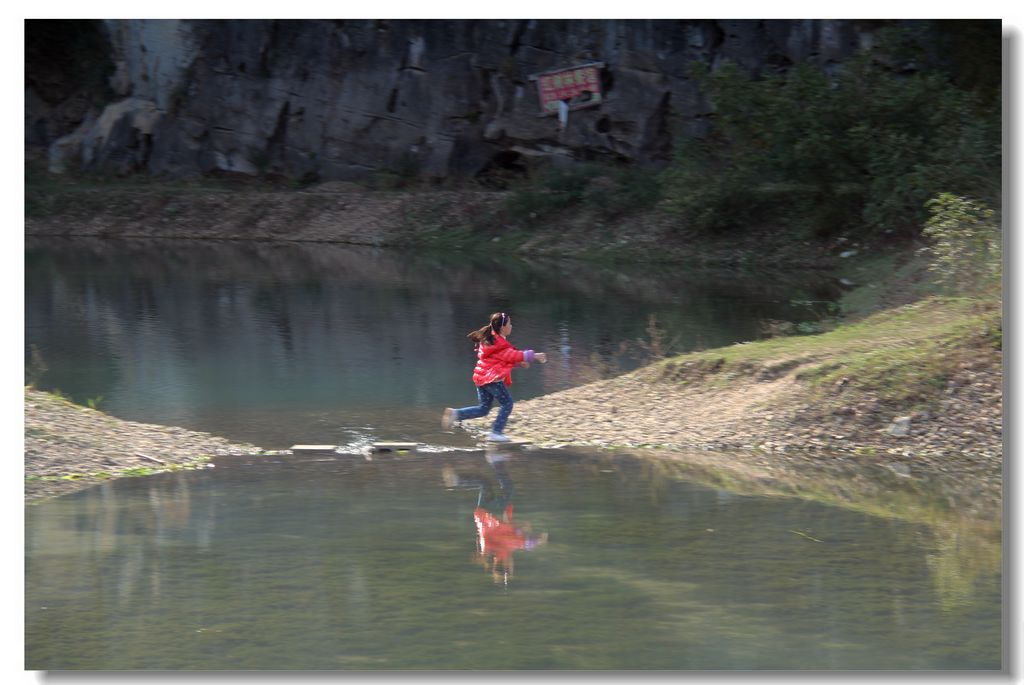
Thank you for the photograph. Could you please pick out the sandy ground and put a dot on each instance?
(69, 447)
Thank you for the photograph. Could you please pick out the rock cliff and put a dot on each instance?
(320, 100)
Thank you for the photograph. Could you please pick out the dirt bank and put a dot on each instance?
(766, 413)
(69, 447)
(432, 219)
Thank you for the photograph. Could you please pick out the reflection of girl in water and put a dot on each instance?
(496, 538)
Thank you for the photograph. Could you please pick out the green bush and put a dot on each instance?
(708, 191)
(623, 190)
(609, 190)
(965, 250)
(867, 148)
(551, 191)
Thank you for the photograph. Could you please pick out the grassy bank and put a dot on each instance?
(905, 357)
(916, 390)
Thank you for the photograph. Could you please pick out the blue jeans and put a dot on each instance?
(487, 394)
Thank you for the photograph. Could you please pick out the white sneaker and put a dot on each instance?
(448, 419)
(497, 437)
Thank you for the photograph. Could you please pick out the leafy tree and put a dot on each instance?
(866, 147)
(610, 190)
(965, 250)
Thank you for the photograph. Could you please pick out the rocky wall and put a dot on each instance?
(319, 100)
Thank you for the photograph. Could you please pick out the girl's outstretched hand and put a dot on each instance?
(541, 357)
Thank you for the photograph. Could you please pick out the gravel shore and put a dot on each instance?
(69, 447)
(756, 423)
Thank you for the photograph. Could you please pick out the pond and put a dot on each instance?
(453, 557)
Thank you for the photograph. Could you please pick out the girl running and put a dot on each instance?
(493, 373)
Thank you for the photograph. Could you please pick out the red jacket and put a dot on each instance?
(495, 362)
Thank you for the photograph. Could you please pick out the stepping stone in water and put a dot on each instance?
(511, 444)
(307, 449)
(394, 446)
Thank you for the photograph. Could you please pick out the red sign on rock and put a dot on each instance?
(578, 86)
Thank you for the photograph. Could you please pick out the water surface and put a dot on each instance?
(336, 562)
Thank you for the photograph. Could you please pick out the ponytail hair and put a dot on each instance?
(487, 333)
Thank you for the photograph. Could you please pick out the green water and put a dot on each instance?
(338, 562)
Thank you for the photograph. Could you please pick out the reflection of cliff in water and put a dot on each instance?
(252, 321)
(137, 277)
(290, 262)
